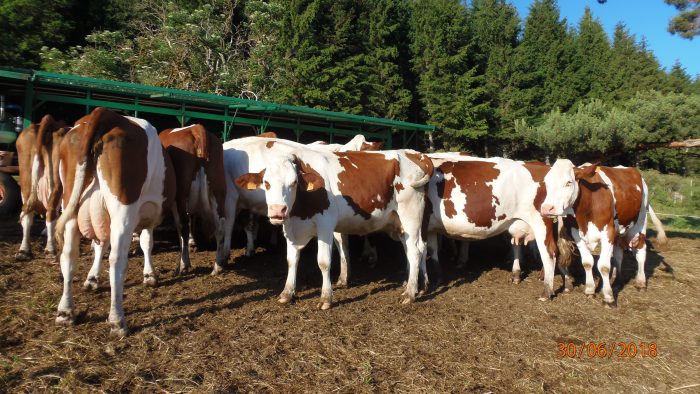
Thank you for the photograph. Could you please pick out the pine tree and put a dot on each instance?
(451, 91)
(678, 79)
(495, 27)
(591, 62)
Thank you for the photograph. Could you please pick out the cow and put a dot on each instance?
(357, 143)
(606, 206)
(37, 152)
(314, 193)
(197, 157)
(118, 180)
(472, 198)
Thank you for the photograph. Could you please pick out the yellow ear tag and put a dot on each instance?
(309, 186)
(251, 186)
(597, 169)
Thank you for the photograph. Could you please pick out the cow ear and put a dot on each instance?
(313, 181)
(585, 172)
(250, 181)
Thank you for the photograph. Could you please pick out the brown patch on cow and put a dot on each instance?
(538, 171)
(372, 146)
(549, 241)
(250, 181)
(269, 144)
(309, 203)
(422, 161)
(472, 178)
(123, 158)
(427, 213)
(639, 244)
(169, 183)
(398, 186)
(444, 191)
(628, 199)
(366, 180)
(594, 204)
(268, 134)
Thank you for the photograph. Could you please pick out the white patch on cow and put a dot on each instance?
(175, 130)
(639, 189)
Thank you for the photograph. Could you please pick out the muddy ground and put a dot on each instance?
(476, 333)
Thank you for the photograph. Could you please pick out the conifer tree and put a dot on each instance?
(591, 61)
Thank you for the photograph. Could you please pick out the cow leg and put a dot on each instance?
(369, 253)
(640, 281)
(50, 249)
(146, 241)
(588, 262)
(606, 249)
(342, 243)
(191, 243)
(221, 253)
(517, 256)
(293, 253)
(120, 237)
(183, 234)
(230, 218)
(618, 255)
(325, 248)
(415, 249)
(251, 233)
(92, 281)
(463, 255)
(548, 266)
(69, 255)
(25, 249)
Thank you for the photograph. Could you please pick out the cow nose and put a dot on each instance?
(547, 209)
(277, 211)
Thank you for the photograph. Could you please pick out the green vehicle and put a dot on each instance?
(10, 125)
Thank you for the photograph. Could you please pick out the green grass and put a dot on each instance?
(663, 188)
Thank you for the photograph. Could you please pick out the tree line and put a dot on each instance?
(493, 82)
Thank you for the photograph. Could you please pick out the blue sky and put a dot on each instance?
(644, 18)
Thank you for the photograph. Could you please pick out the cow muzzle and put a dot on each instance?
(549, 210)
(277, 213)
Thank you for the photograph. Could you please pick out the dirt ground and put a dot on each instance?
(476, 333)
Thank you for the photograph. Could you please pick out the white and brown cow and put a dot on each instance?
(314, 193)
(118, 180)
(198, 160)
(37, 152)
(606, 206)
(357, 143)
(472, 198)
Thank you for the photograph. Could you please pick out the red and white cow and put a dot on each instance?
(472, 198)
(606, 206)
(314, 193)
(198, 160)
(357, 143)
(37, 153)
(118, 180)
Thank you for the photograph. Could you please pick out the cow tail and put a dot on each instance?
(32, 200)
(566, 245)
(660, 233)
(201, 142)
(426, 165)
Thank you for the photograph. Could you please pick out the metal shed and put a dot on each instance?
(37, 89)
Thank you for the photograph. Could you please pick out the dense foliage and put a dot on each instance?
(493, 83)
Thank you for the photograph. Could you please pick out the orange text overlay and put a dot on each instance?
(608, 350)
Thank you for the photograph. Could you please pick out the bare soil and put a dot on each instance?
(476, 333)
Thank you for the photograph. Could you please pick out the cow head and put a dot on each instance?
(562, 187)
(281, 180)
(372, 146)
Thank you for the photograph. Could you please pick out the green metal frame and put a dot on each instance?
(43, 87)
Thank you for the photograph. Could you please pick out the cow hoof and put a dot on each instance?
(324, 305)
(590, 295)
(285, 298)
(150, 280)
(118, 330)
(65, 318)
(249, 252)
(182, 270)
(24, 255)
(640, 286)
(609, 304)
(407, 300)
(50, 254)
(341, 284)
(515, 278)
(91, 284)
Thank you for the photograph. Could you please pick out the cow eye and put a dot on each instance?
(568, 183)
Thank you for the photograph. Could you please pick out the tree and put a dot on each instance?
(450, 90)
(678, 79)
(687, 22)
(591, 60)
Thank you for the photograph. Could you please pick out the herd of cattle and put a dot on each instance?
(115, 175)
